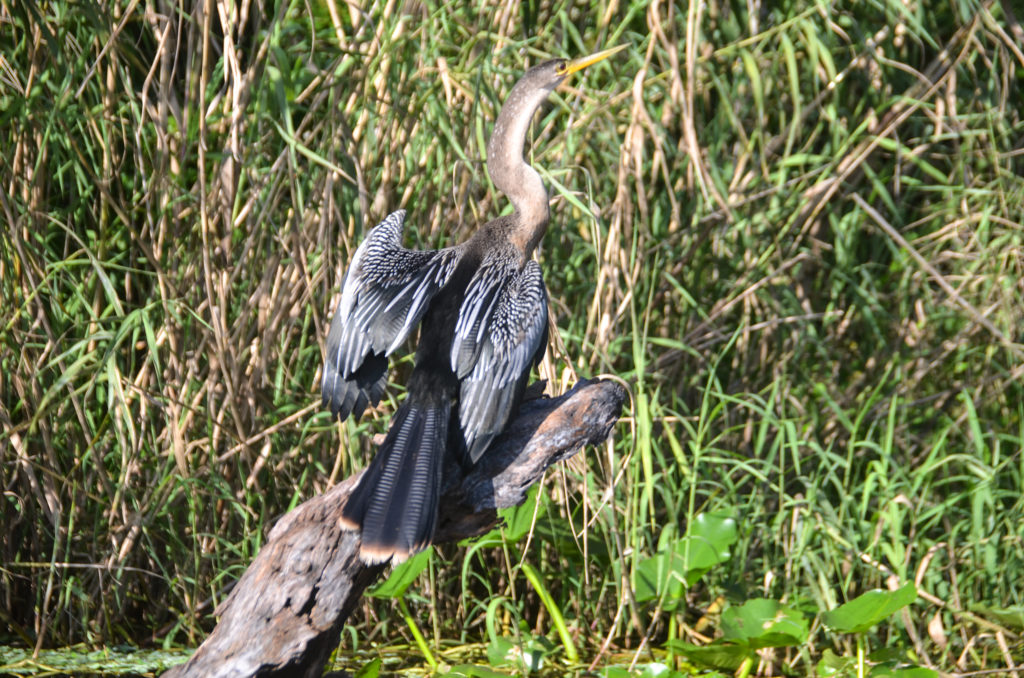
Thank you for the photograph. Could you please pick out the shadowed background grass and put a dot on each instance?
(792, 228)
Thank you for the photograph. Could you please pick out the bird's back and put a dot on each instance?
(482, 315)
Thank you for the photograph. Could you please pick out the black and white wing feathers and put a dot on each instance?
(386, 291)
(500, 335)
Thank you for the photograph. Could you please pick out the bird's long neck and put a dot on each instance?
(510, 173)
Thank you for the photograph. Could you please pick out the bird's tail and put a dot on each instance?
(395, 503)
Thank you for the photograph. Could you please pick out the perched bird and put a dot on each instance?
(482, 310)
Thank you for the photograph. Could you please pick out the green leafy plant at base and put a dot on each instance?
(857, 617)
(763, 623)
(757, 624)
(666, 575)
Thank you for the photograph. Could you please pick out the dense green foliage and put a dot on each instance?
(793, 229)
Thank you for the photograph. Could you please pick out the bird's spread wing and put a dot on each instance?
(386, 291)
(501, 333)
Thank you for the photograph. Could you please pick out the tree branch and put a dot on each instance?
(284, 616)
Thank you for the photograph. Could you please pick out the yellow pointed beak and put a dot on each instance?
(583, 62)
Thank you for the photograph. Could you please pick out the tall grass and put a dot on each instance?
(794, 230)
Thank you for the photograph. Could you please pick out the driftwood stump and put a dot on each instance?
(284, 616)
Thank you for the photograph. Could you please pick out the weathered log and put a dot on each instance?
(284, 616)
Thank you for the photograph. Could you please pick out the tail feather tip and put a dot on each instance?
(376, 554)
(347, 524)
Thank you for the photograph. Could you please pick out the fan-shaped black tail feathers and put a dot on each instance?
(395, 503)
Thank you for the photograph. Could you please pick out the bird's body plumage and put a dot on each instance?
(481, 307)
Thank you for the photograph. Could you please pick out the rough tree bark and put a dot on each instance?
(284, 616)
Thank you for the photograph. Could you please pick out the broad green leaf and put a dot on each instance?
(1012, 617)
(706, 544)
(717, 530)
(886, 655)
(655, 670)
(661, 575)
(831, 664)
(402, 577)
(518, 519)
(668, 573)
(369, 669)
(867, 609)
(717, 655)
(696, 556)
(529, 657)
(764, 623)
(659, 670)
(502, 652)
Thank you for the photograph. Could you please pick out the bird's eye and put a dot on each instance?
(562, 67)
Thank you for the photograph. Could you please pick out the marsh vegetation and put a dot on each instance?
(792, 229)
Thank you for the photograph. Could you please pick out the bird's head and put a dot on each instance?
(552, 73)
(510, 173)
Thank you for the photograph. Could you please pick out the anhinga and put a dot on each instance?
(482, 310)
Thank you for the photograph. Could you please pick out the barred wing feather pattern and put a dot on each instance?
(500, 335)
(386, 291)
